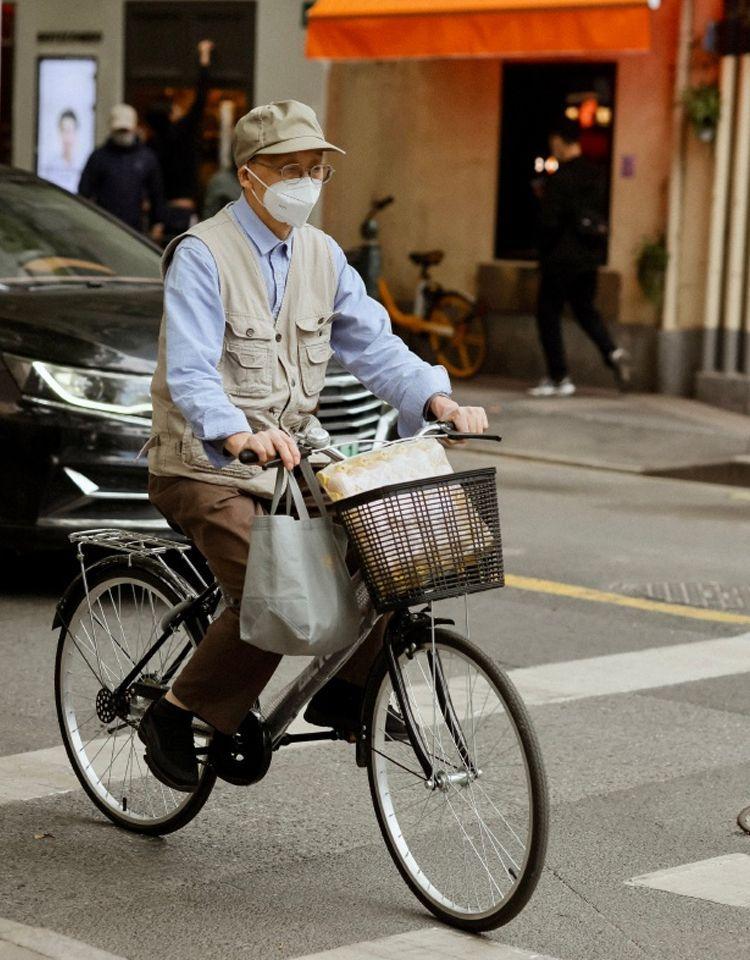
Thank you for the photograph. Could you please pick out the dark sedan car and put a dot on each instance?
(80, 306)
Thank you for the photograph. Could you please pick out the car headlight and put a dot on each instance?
(125, 394)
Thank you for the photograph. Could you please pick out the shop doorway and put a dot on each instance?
(536, 96)
(161, 63)
(7, 50)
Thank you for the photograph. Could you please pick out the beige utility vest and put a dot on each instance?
(273, 370)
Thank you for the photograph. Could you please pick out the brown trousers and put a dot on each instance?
(225, 675)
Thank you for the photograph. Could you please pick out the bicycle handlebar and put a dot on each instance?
(440, 430)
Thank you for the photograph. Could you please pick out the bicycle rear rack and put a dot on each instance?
(127, 541)
(137, 546)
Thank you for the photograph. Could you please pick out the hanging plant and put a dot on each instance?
(703, 105)
(651, 269)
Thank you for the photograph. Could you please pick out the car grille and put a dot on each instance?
(347, 409)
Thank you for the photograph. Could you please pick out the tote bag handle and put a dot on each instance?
(294, 493)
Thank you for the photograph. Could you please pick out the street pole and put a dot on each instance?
(670, 365)
(737, 251)
(718, 232)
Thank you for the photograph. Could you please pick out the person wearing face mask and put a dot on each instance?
(123, 174)
(256, 300)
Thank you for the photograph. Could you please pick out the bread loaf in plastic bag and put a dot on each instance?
(417, 459)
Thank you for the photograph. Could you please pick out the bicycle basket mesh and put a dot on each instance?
(426, 539)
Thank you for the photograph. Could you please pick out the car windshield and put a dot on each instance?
(46, 234)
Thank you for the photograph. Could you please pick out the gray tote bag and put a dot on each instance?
(298, 597)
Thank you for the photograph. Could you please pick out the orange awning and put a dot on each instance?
(386, 29)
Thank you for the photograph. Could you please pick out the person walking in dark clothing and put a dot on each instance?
(571, 246)
(122, 173)
(174, 140)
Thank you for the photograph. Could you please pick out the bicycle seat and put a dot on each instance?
(427, 258)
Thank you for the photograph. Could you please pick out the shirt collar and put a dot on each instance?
(262, 237)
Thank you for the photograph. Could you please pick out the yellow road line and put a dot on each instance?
(617, 599)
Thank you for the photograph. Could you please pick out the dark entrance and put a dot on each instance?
(535, 97)
(7, 51)
(161, 60)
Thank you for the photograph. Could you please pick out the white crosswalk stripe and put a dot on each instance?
(21, 942)
(41, 773)
(636, 670)
(430, 944)
(723, 879)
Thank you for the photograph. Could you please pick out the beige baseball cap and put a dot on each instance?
(123, 117)
(283, 126)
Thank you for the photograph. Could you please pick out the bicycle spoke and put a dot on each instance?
(112, 629)
(466, 845)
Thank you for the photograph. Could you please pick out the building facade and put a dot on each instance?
(143, 50)
(457, 138)
(436, 132)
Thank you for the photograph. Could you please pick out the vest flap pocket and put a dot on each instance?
(248, 357)
(318, 352)
(319, 323)
(248, 327)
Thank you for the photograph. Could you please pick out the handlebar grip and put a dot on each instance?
(250, 458)
(449, 431)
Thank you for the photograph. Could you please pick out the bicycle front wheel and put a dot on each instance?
(469, 833)
(463, 354)
(106, 631)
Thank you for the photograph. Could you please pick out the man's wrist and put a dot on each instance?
(427, 412)
(230, 446)
(438, 406)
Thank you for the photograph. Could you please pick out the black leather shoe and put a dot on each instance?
(339, 705)
(167, 732)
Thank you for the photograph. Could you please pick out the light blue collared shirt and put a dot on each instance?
(361, 335)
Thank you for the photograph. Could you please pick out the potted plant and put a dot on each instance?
(651, 268)
(703, 105)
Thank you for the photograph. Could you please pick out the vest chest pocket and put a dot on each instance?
(313, 360)
(314, 342)
(247, 368)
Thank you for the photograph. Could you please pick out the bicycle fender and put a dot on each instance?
(72, 594)
(76, 590)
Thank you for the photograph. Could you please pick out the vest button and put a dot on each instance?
(278, 337)
(322, 320)
(249, 332)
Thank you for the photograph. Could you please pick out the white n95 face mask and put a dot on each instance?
(290, 201)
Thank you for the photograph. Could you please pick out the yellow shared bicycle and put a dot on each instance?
(451, 321)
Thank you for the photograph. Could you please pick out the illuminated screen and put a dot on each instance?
(65, 124)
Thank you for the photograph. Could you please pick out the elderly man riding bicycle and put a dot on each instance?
(256, 301)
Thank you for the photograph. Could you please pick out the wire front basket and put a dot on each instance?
(426, 539)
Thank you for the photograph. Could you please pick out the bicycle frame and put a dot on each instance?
(293, 698)
(411, 321)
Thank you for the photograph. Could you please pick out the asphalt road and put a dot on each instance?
(644, 779)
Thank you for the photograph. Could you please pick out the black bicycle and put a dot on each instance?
(459, 792)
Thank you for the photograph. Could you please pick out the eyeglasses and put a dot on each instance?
(322, 172)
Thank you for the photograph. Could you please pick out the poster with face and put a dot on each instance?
(65, 131)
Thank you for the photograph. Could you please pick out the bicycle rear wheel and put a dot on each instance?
(463, 354)
(469, 836)
(105, 632)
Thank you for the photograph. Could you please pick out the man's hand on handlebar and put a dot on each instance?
(464, 419)
(266, 445)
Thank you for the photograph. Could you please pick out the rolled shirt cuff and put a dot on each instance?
(411, 417)
(215, 433)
